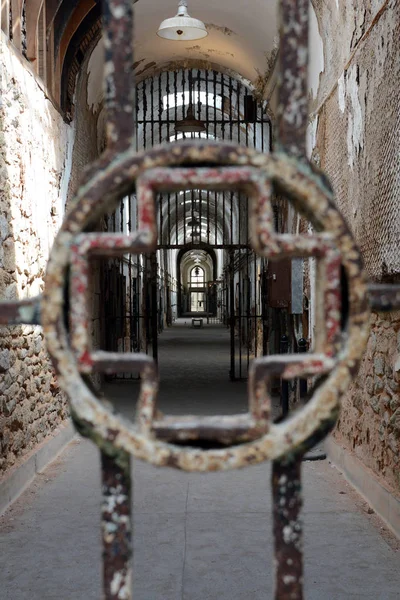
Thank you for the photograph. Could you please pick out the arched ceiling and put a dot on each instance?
(242, 37)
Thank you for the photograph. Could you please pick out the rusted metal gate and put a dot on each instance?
(246, 309)
(123, 289)
(249, 438)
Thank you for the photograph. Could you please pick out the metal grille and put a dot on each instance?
(147, 297)
(225, 106)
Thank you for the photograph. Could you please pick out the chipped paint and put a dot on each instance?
(194, 63)
(137, 63)
(293, 84)
(149, 65)
(312, 136)
(219, 52)
(311, 197)
(342, 92)
(355, 127)
(316, 54)
(224, 30)
(262, 79)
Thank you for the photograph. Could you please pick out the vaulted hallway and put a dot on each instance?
(194, 365)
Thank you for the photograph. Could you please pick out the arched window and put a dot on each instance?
(197, 277)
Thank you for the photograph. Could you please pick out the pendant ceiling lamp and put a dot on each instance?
(190, 124)
(182, 27)
(194, 222)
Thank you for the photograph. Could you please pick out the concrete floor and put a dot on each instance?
(196, 537)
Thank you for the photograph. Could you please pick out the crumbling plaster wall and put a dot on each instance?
(35, 163)
(87, 107)
(354, 135)
(88, 144)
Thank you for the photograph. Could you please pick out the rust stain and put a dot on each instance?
(148, 66)
(222, 29)
(137, 63)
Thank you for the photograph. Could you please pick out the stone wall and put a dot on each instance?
(370, 419)
(355, 132)
(35, 165)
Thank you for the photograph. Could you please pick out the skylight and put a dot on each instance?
(183, 99)
(183, 136)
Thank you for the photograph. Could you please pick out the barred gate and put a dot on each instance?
(191, 220)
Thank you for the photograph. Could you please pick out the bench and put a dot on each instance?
(197, 322)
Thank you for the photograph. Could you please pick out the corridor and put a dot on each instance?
(196, 537)
(194, 366)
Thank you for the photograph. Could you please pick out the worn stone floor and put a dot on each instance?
(196, 537)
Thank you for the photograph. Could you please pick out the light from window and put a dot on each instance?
(183, 136)
(172, 101)
(197, 277)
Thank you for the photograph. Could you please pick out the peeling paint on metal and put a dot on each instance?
(311, 197)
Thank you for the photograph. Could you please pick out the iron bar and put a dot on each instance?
(288, 533)
(120, 88)
(216, 121)
(116, 524)
(154, 306)
(145, 122)
(302, 346)
(292, 82)
(198, 95)
(22, 311)
(215, 106)
(232, 312)
(239, 320)
(384, 297)
(292, 124)
(152, 110)
(168, 91)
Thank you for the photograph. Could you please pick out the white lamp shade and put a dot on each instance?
(182, 27)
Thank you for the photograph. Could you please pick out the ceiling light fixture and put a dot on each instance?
(190, 124)
(182, 27)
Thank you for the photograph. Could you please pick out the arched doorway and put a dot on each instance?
(197, 290)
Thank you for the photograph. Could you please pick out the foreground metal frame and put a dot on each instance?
(250, 438)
